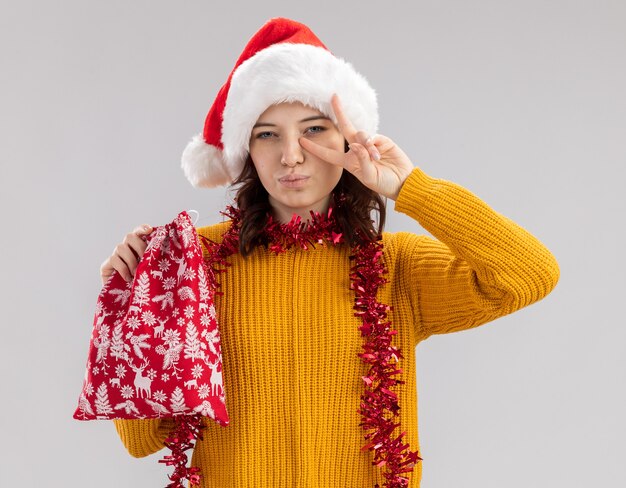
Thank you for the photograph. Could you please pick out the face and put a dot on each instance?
(301, 182)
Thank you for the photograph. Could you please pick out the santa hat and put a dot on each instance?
(283, 62)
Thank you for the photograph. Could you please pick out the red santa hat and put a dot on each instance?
(283, 62)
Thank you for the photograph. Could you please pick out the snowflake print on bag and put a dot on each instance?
(155, 340)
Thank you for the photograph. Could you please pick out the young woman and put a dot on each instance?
(313, 319)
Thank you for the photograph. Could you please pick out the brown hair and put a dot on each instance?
(353, 206)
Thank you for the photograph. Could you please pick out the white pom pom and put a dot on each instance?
(204, 165)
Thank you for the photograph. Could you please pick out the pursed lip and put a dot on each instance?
(292, 177)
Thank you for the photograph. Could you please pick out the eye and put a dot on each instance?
(264, 135)
(316, 129)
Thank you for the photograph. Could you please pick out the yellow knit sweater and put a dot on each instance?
(290, 339)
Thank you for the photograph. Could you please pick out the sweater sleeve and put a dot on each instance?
(143, 437)
(480, 266)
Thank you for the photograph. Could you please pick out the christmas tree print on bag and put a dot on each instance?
(155, 346)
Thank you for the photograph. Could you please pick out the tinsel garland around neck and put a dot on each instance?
(379, 407)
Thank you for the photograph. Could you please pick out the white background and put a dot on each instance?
(522, 102)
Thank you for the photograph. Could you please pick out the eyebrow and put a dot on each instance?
(308, 119)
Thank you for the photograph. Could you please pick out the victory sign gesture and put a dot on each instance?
(375, 160)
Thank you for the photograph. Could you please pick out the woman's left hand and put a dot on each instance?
(375, 160)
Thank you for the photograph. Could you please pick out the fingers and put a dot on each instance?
(115, 263)
(134, 240)
(327, 154)
(350, 133)
(361, 164)
(370, 144)
(361, 152)
(126, 255)
(343, 123)
(367, 142)
(339, 158)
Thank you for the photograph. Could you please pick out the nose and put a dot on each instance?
(292, 152)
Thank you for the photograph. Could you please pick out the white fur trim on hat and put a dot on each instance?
(289, 72)
(204, 164)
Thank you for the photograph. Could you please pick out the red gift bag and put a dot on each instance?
(155, 347)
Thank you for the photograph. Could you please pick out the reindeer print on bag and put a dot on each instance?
(155, 347)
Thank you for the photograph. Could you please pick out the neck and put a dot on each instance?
(286, 217)
(285, 214)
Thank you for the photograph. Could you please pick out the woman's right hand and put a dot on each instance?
(126, 255)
